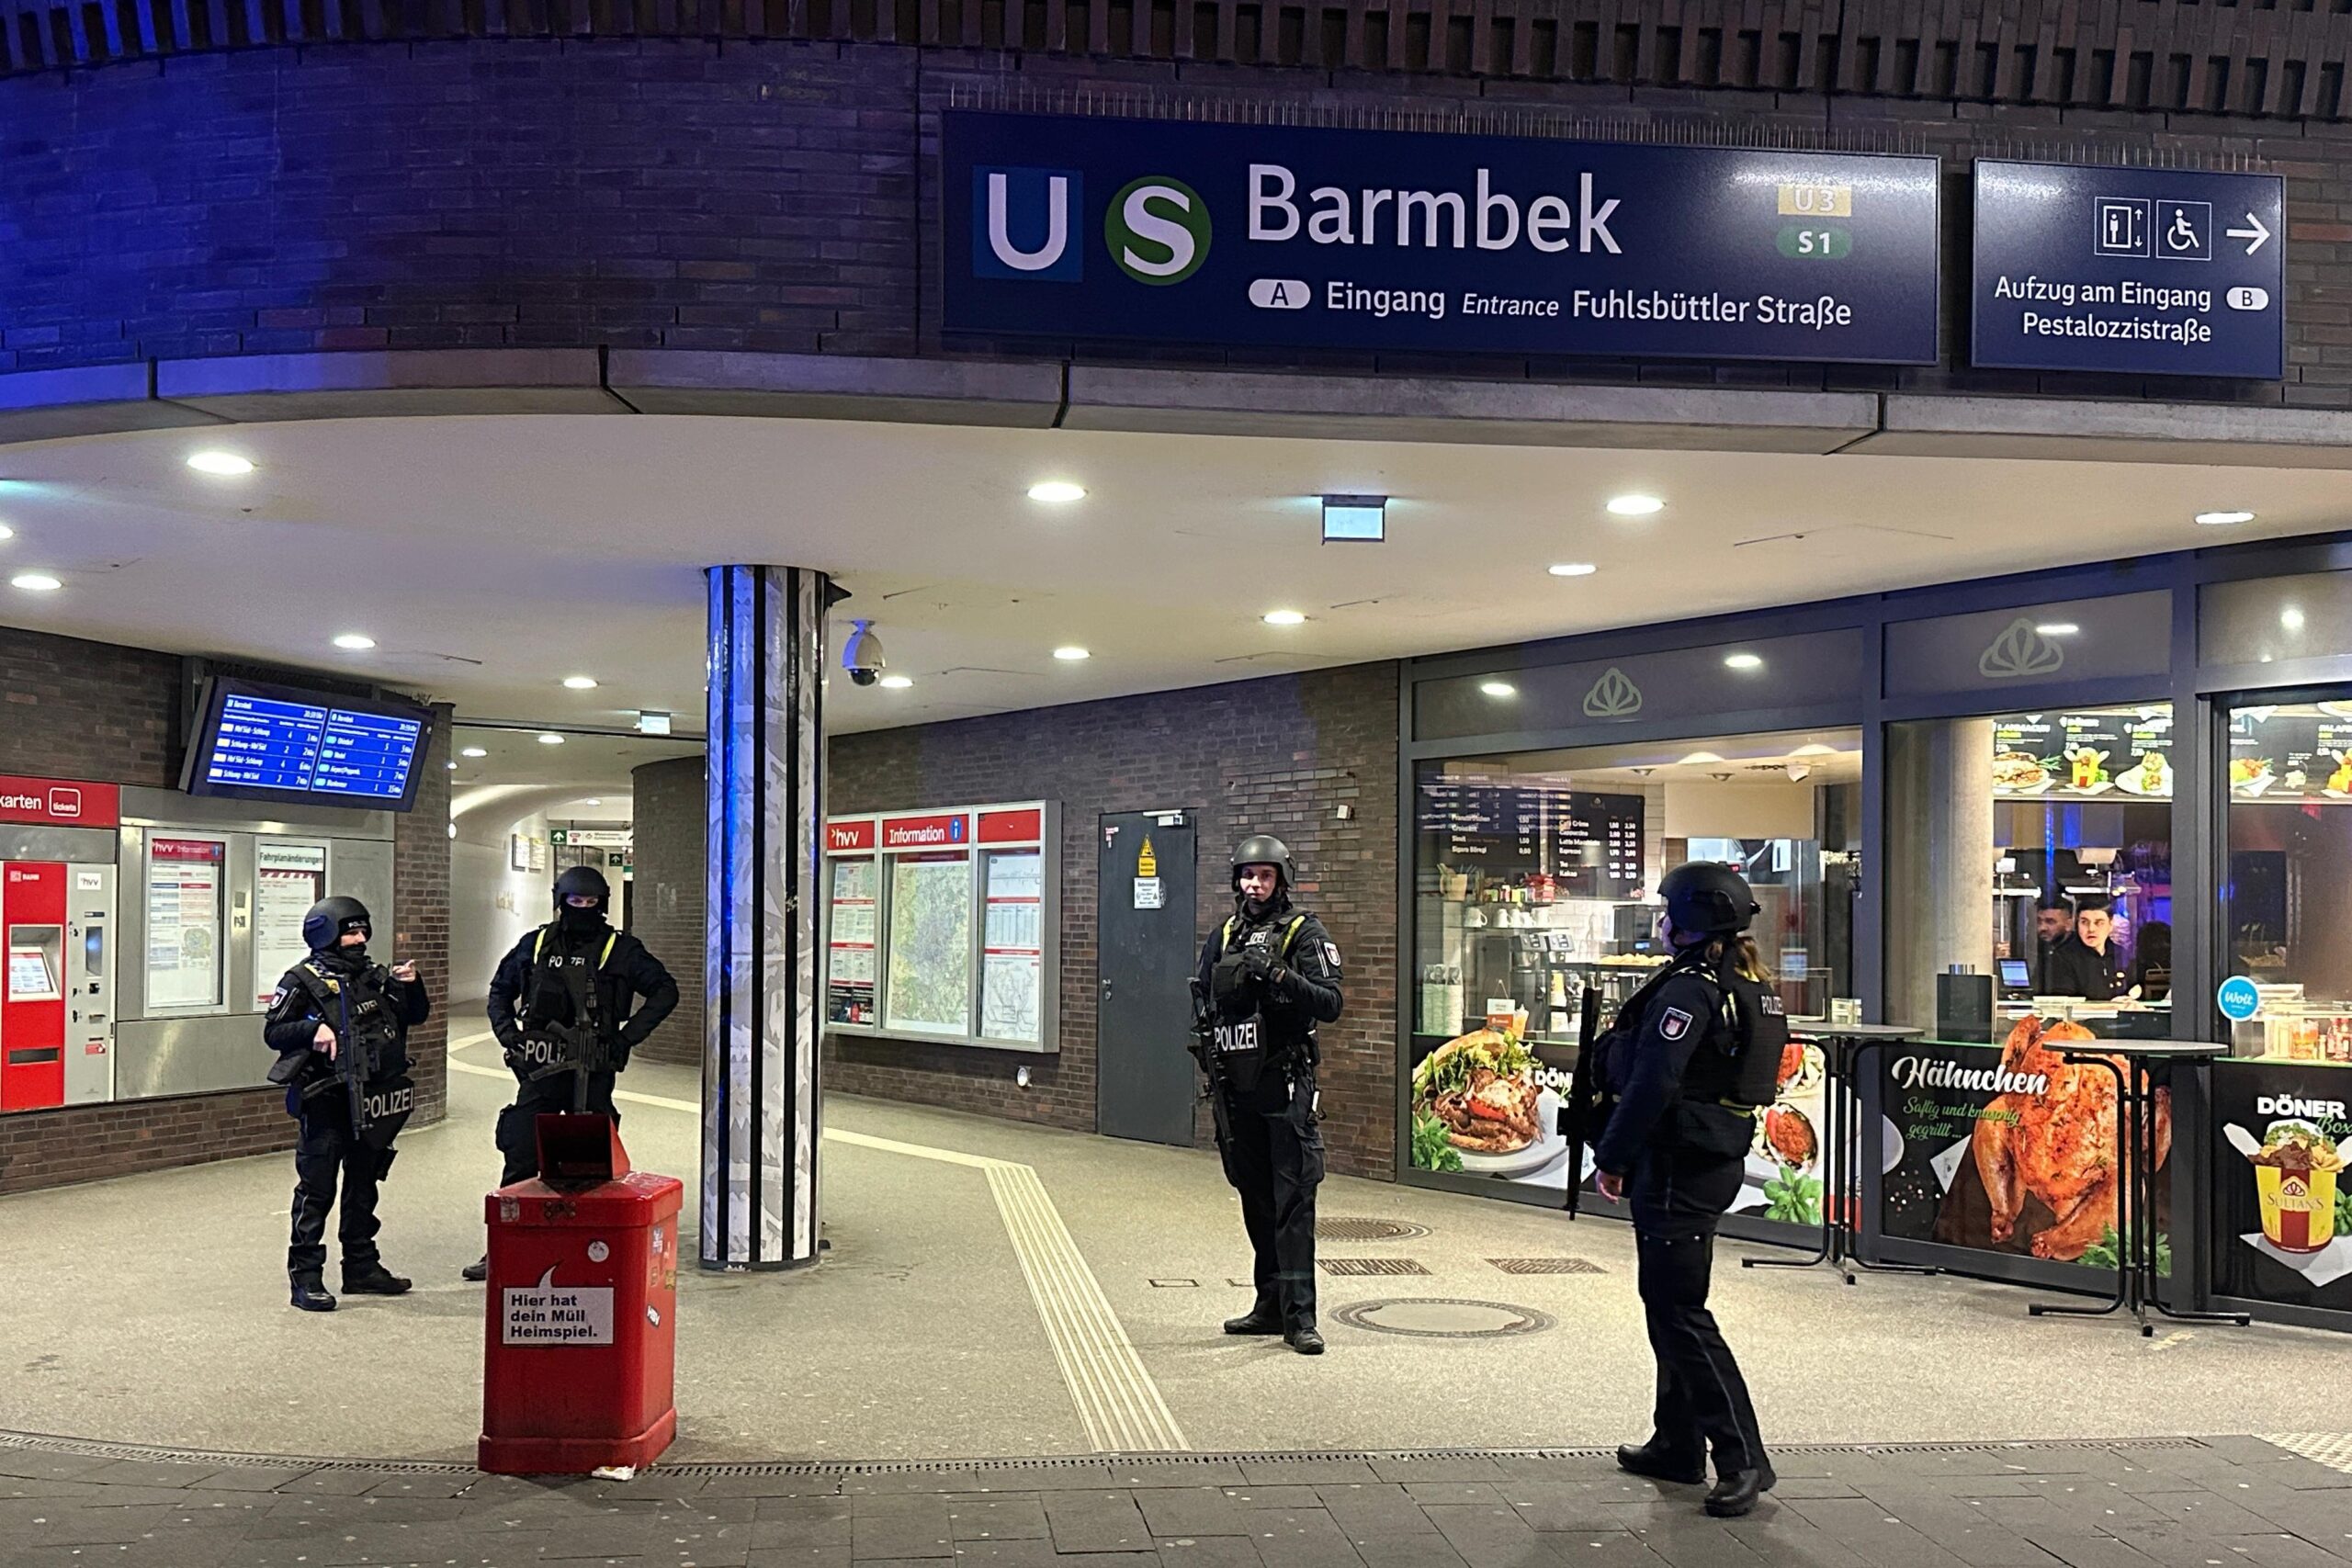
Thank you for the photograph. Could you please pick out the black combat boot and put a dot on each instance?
(1259, 1319)
(1305, 1339)
(310, 1293)
(372, 1279)
(1738, 1492)
(1655, 1462)
(477, 1270)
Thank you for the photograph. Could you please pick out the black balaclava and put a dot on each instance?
(579, 879)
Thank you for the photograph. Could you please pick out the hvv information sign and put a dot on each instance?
(1251, 235)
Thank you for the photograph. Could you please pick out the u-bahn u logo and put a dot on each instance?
(1022, 224)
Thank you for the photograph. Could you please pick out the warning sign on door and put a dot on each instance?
(1148, 894)
(1146, 862)
(549, 1314)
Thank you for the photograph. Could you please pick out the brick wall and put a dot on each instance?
(420, 915)
(50, 1148)
(1276, 755)
(73, 709)
(780, 195)
(666, 904)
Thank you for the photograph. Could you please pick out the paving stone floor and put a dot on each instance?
(2211, 1503)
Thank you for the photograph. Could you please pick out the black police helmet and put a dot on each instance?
(578, 880)
(1702, 896)
(331, 918)
(1265, 849)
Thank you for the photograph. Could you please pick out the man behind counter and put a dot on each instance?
(2054, 927)
(2088, 966)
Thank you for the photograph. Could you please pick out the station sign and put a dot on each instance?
(1253, 235)
(2138, 272)
(59, 803)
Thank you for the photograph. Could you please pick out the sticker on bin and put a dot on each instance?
(549, 1314)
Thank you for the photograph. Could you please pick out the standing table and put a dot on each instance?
(1844, 1048)
(2145, 1066)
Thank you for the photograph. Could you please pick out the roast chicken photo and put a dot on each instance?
(2058, 1146)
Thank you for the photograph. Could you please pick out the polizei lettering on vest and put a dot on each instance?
(1918, 1072)
(1429, 220)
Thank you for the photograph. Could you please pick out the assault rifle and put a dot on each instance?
(581, 1050)
(1202, 1048)
(1578, 1116)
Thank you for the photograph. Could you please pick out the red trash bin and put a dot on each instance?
(581, 1354)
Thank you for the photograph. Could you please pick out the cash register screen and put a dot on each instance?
(2013, 975)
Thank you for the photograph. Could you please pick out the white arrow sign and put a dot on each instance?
(2256, 234)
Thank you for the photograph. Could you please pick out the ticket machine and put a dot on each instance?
(57, 985)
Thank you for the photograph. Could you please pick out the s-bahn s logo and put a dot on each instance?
(1022, 224)
(1158, 230)
(1614, 696)
(2021, 649)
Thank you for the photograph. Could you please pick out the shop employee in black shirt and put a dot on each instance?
(2088, 966)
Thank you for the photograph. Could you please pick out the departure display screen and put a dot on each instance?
(260, 742)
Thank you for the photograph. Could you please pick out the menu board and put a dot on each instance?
(300, 747)
(1012, 947)
(931, 943)
(2281, 1212)
(2079, 756)
(849, 950)
(2295, 755)
(1591, 843)
(287, 879)
(184, 922)
(2007, 1148)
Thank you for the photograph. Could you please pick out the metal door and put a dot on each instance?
(1145, 948)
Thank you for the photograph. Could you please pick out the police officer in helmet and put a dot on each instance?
(1690, 1061)
(1268, 976)
(575, 978)
(336, 1014)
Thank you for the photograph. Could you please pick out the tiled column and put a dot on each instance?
(764, 1020)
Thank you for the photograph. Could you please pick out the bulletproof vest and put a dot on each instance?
(357, 1008)
(563, 991)
(1737, 1062)
(1246, 1038)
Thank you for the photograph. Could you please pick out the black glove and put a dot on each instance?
(1259, 965)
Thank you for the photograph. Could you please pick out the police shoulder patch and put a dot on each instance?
(1332, 951)
(1674, 1023)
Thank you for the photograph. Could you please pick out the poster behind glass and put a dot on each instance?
(2283, 1214)
(1012, 947)
(184, 905)
(850, 938)
(287, 879)
(930, 960)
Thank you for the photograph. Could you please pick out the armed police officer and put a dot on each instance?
(1268, 976)
(561, 1007)
(339, 1024)
(1692, 1056)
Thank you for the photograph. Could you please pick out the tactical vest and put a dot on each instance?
(562, 989)
(1737, 1062)
(1244, 1045)
(361, 1015)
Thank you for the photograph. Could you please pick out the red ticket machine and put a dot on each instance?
(581, 1350)
(32, 986)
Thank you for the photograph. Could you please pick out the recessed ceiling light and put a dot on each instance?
(1073, 654)
(473, 752)
(213, 462)
(6, 532)
(357, 642)
(592, 800)
(1634, 505)
(2291, 618)
(1574, 568)
(1057, 492)
(1498, 688)
(2223, 519)
(1815, 749)
(580, 683)
(551, 739)
(1284, 618)
(1699, 757)
(2057, 628)
(1743, 661)
(897, 682)
(34, 583)
(451, 766)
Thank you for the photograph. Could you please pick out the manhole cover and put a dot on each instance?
(1546, 1266)
(1434, 1317)
(1369, 1266)
(1368, 1230)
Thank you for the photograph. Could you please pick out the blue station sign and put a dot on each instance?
(1252, 235)
(2140, 272)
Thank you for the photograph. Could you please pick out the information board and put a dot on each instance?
(183, 901)
(1251, 235)
(287, 879)
(2142, 272)
(261, 743)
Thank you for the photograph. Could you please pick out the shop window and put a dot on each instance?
(2030, 871)
(2287, 893)
(2079, 639)
(2269, 619)
(1813, 670)
(1535, 878)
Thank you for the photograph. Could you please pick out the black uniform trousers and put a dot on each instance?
(1678, 1196)
(323, 1150)
(519, 1125)
(1273, 1156)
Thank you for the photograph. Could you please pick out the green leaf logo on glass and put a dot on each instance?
(1158, 230)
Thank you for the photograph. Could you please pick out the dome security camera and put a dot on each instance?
(862, 656)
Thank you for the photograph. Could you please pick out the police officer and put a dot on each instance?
(576, 973)
(339, 1015)
(1269, 977)
(1691, 1057)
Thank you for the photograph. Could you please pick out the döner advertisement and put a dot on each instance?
(2282, 1214)
(1250, 234)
